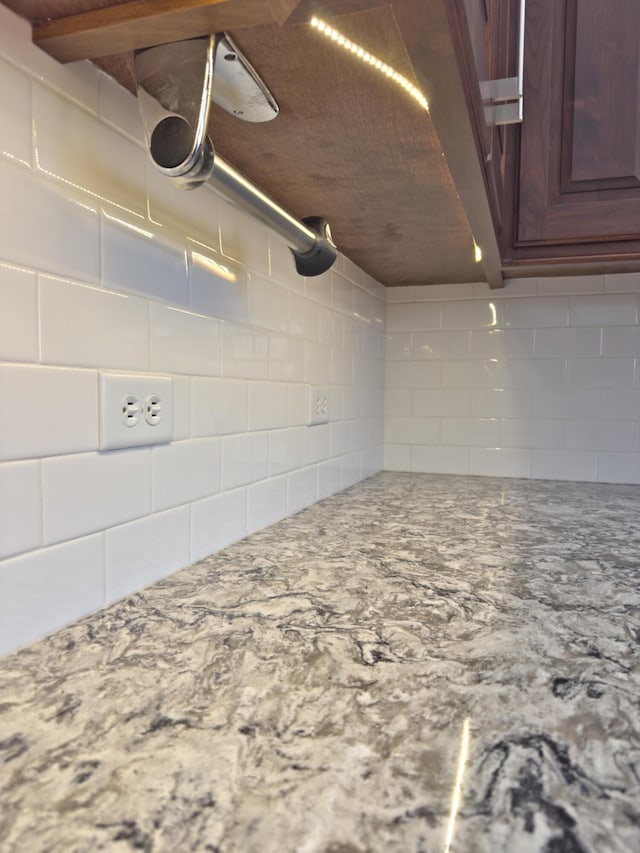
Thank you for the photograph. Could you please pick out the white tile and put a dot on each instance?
(402, 317)
(576, 465)
(351, 469)
(267, 405)
(621, 341)
(68, 231)
(217, 522)
(366, 307)
(185, 471)
(88, 492)
(537, 311)
(440, 344)
(331, 328)
(397, 457)
(15, 113)
(45, 397)
(245, 459)
(302, 489)
(475, 314)
(305, 318)
(498, 462)
(20, 507)
(352, 334)
(441, 402)
(340, 367)
(600, 372)
(218, 406)
(285, 450)
(622, 282)
(297, 404)
(136, 260)
(603, 310)
(412, 374)
(183, 342)
(481, 373)
(181, 407)
(119, 107)
(430, 292)
(244, 239)
(193, 213)
(245, 352)
(340, 434)
(567, 343)
(398, 346)
(527, 433)
(342, 294)
(77, 149)
(329, 478)
(268, 304)
(619, 468)
(352, 271)
(145, 551)
(470, 432)
(317, 443)
(499, 403)
(85, 326)
(534, 373)
(47, 589)
(502, 343)
(318, 288)
(439, 460)
(281, 265)
(411, 430)
(317, 363)
(217, 286)
(600, 435)
(266, 503)
(18, 315)
(558, 285)
(513, 287)
(397, 401)
(566, 403)
(286, 358)
(621, 405)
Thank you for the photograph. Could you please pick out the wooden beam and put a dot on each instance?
(143, 23)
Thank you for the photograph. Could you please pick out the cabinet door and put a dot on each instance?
(579, 160)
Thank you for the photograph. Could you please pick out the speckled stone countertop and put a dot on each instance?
(421, 663)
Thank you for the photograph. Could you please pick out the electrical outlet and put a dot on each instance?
(318, 406)
(135, 409)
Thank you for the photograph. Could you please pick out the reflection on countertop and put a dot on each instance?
(421, 663)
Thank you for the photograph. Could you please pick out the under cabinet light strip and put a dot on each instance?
(369, 59)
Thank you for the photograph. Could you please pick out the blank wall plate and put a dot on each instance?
(318, 406)
(135, 409)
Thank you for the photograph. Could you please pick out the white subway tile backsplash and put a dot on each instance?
(340, 433)
(145, 551)
(481, 373)
(532, 433)
(397, 402)
(46, 589)
(316, 443)
(119, 108)
(304, 320)
(268, 405)
(181, 386)
(397, 457)
(244, 239)
(499, 462)
(302, 488)
(566, 403)
(330, 477)
(266, 503)
(600, 435)
(440, 344)
(567, 284)
(317, 363)
(603, 310)
(534, 373)
(15, 114)
(563, 465)
(398, 346)
(245, 352)
(439, 459)
(318, 287)
(619, 405)
(287, 358)
(536, 311)
(502, 343)
(470, 432)
(412, 374)
(285, 450)
(619, 468)
(412, 430)
(600, 372)
(567, 343)
(74, 147)
(218, 406)
(217, 522)
(281, 266)
(621, 341)
(622, 282)
(184, 342)
(58, 411)
(245, 459)
(342, 296)
(20, 507)
(18, 314)
(414, 317)
(297, 404)
(87, 492)
(33, 206)
(475, 314)
(268, 304)
(86, 326)
(499, 403)
(441, 402)
(177, 210)
(185, 471)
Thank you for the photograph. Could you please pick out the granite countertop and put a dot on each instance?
(421, 663)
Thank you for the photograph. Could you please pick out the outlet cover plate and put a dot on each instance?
(318, 409)
(120, 394)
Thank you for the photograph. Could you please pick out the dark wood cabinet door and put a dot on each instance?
(577, 170)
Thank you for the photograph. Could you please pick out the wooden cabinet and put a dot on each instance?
(573, 173)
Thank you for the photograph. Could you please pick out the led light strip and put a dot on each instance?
(367, 57)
